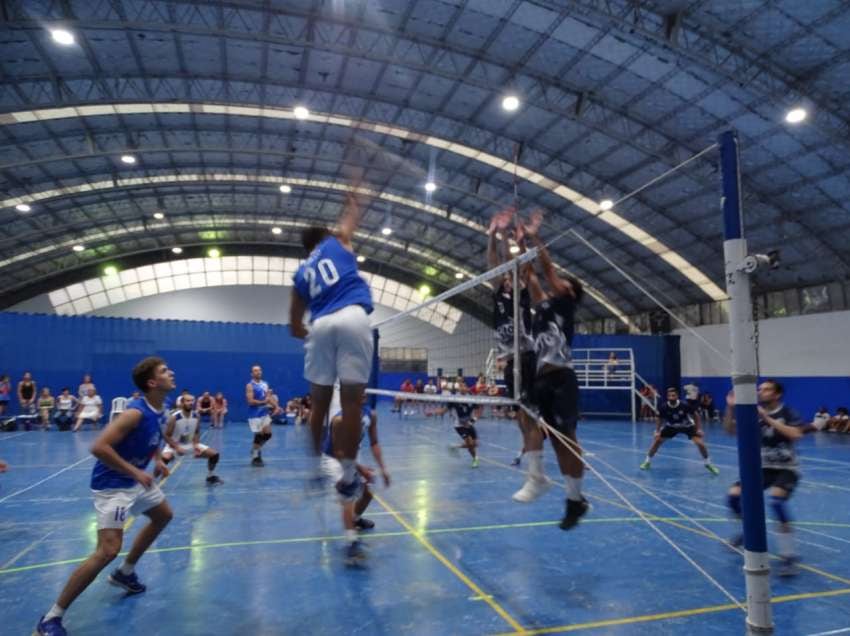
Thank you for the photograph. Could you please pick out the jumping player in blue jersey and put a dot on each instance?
(258, 397)
(339, 343)
(122, 488)
(331, 466)
(675, 417)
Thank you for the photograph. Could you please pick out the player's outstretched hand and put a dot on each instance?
(386, 477)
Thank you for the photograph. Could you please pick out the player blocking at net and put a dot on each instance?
(339, 343)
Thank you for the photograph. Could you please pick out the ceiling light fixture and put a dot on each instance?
(361, 259)
(300, 112)
(213, 252)
(606, 204)
(430, 186)
(78, 248)
(23, 207)
(158, 216)
(277, 230)
(459, 275)
(796, 115)
(177, 250)
(110, 270)
(286, 189)
(128, 159)
(386, 230)
(62, 36)
(510, 103)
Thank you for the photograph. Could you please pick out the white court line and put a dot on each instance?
(49, 477)
(843, 630)
(15, 435)
(15, 558)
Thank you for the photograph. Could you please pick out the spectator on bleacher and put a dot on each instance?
(85, 386)
(692, 396)
(840, 422)
(205, 404)
(45, 407)
(306, 407)
(219, 410)
(90, 409)
(480, 387)
(430, 388)
(400, 402)
(611, 366)
(821, 419)
(26, 393)
(707, 409)
(650, 393)
(66, 404)
(5, 390)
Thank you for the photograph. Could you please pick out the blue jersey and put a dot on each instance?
(365, 422)
(138, 448)
(329, 281)
(260, 392)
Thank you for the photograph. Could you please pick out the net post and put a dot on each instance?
(517, 379)
(744, 378)
(376, 368)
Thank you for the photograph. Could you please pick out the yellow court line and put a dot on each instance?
(416, 534)
(647, 618)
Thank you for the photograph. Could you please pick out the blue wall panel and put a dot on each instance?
(204, 355)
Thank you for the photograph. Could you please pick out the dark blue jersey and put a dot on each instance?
(777, 451)
(553, 326)
(463, 412)
(678, 414)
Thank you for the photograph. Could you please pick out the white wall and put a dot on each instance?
(798, 346)
(466, 348)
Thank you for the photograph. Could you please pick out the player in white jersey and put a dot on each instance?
(331, 467)
(183, 435)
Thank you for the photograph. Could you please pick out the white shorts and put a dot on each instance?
(331, 469)
(189, 449)
(115, 505)
(339, 347)
(257, 424)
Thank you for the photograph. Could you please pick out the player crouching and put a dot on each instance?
(183, 435)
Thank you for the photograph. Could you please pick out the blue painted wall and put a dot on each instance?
(212, 356)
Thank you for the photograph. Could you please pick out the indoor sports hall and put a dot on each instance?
(424, 317)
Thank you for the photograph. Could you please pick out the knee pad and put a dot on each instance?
(780, 508)
(266, 437)
(258, 438)
(734, 502)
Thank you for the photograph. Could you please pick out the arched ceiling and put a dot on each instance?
(613, 94)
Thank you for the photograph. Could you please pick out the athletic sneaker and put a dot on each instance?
(351, 490)
(531, 490)
(475, 462)
(53, 627)
(516, 461)
(258, 461)
(364, 524)
(789, 566)
(129, 582)
(645, 465)
(212, 480)
(712, 469)
(355, 555)
(575, 511)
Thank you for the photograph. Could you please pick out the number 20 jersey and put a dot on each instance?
(329, 281)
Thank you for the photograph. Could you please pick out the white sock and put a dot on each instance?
(351, 535)
(535, 464)
(54, 612)
(785, 543)
(648, 459)
(707, 460)
(255, 452)
(349, 466)
(127, 568)
(573, 485)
